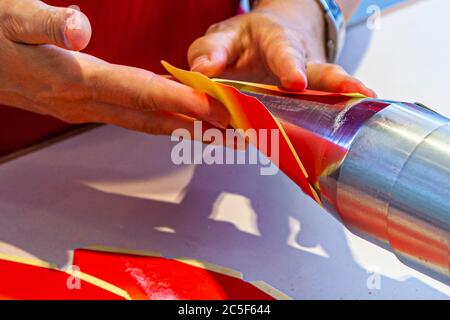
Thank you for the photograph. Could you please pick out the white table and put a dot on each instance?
(117, 188)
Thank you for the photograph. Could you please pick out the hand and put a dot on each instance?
(281, 42)
(41, 71)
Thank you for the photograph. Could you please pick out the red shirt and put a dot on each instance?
(138, 33)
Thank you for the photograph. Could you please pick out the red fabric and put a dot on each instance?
(131, 32)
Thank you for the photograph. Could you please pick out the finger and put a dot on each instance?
(158, 123)
(212, 53)
(285, 56)
(166, 123)
(144, 91)
(333, 78)
(34, 22)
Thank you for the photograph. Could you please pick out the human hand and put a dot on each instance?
(42, 71)
(280, 42)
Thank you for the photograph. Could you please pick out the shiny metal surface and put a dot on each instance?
(381, 167)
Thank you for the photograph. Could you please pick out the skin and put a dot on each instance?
(42, 70)
(279, 41)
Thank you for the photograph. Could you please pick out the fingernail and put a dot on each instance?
(73, 22)
(218, 114)
(198, 62)
(302, 72)
(218, 55)
(295, 81)
(293, 85)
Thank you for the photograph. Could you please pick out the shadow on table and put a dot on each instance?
(287, 240)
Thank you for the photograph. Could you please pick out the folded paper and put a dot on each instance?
(248, 112)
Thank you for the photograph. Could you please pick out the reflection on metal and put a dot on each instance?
(381, 167)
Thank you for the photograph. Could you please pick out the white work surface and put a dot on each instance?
(117, 188)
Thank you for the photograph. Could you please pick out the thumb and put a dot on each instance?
(212, 53)
(34, 22)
